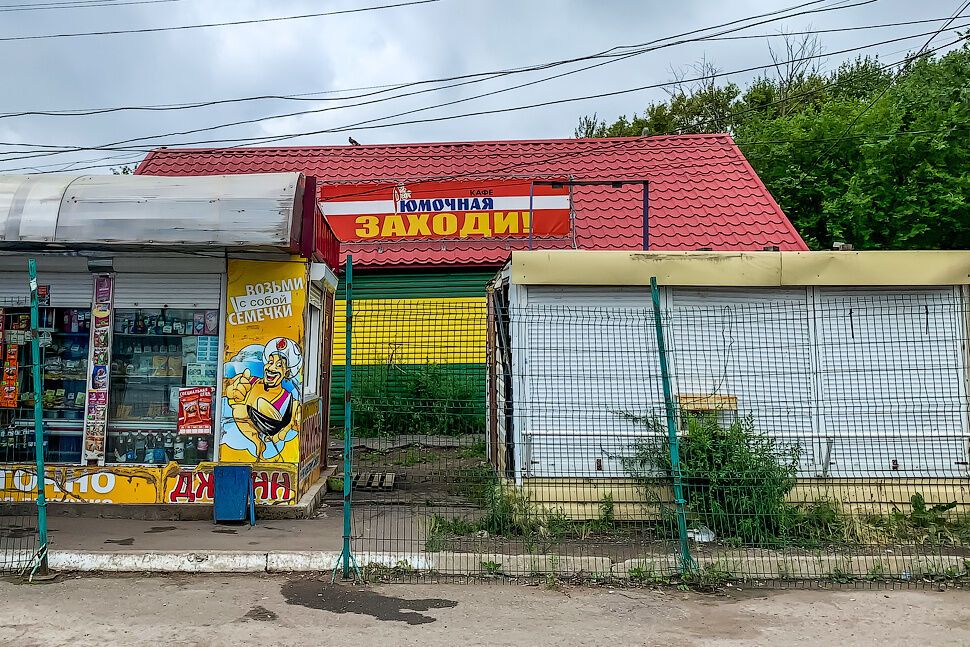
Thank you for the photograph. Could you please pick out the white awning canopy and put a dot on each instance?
(252, 212)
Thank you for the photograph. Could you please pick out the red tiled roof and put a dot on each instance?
(703, 192)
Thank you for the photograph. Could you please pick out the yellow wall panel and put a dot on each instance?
(413, 331)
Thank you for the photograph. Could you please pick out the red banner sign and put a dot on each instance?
(446, 210)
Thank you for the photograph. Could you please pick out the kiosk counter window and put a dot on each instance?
(163, 372)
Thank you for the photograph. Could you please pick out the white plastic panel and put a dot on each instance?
(754, 345)
(588, 362)
(891, 381)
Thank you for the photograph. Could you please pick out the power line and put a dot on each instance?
(680, 146)
(956, 14)
(78, 4)
(727, 116)
(118, 144)
(312, 96)
(833, 30)
(367, 125)
(148, 30)
(493, 73)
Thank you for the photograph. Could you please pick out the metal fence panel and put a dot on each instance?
(820, 435)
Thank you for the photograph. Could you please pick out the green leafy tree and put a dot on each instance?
(858, 155)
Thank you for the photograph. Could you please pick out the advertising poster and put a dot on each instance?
(96, 413)
(451, 210)
(195, 411)
(263, 370)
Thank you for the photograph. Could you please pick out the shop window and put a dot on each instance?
(163, 376)
(311, 370)
(63, 335)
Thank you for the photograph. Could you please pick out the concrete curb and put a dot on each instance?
(769, 566)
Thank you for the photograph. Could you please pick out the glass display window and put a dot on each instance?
(64, 337)
(164, 366)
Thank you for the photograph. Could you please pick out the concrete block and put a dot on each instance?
(158, 562)
(301, 561)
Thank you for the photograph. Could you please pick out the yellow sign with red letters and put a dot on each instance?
(262, 392)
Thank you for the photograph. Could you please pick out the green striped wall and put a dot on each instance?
(410, 284)
(417, 284)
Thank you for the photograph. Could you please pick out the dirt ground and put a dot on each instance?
(280, 610)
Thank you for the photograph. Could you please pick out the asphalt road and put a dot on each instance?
(279, 610)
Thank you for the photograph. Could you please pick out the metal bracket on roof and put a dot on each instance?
(616, 184)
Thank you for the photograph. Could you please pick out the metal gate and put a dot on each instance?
(23, 522)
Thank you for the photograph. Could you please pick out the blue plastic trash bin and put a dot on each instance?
(233, 497)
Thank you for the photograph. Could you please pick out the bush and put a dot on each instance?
(735, 479)
(429, 399)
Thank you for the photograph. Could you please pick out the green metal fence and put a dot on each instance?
(23, 508)
(775, 440)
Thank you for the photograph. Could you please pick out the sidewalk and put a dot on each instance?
(91, 544)
(323, 532)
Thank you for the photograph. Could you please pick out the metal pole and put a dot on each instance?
(532, 190)
(38, 416)
(686, 562)
(348, 445)
(646, 216)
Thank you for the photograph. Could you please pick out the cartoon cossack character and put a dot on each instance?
(263, 408)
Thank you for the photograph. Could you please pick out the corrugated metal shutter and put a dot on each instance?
(892, 390)
(68, 289)
(172, 290)
(754, 345)
(588, 359)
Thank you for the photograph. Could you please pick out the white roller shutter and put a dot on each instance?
(753, 345)
(586, 360)
(68, 289)
(172, 290)
(891, 382)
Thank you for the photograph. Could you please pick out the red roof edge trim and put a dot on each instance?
(784, 218)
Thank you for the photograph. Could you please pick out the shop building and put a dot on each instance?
(854, 364)
(183, 322)
(429, 224)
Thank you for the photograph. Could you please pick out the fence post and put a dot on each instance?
(686, 561)
(38, 419)
(348, 427)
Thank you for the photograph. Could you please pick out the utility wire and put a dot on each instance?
(151, 30)
(310, 96)
(118, 145)
(956, 14)
(369, 125)
(728, 116)
(80, 4)
(687, 145)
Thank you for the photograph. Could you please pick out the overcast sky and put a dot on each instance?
(375, 48)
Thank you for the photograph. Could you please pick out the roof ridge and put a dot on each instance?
(471, 142)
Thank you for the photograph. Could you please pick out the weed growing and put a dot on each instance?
(430, 399)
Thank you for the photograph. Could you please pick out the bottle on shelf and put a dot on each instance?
(178, 449)
(202, 448)
(149, 449)
(131, 455)
(191, 453)
(170, 445)
(139, 447)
